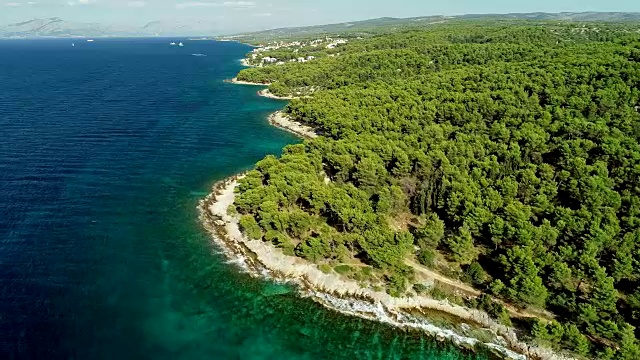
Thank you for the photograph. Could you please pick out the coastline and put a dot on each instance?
(266, 93)
(240, 82)
(281, 120)
(345, 295)
(264, 260)
(245, 63)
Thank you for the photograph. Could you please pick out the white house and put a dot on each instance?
(335, 43)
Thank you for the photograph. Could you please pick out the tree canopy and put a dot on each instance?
(513, 151)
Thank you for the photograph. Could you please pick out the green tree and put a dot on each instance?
(250, 227)
(431, 234)
(461, 246)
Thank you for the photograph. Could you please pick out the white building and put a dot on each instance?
(335, 43)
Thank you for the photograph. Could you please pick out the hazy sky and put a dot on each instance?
(240, 15)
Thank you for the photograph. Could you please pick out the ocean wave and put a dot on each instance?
(365, 309)
(377, 312)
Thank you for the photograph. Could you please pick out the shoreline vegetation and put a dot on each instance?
(268, 94)
(241, 82)
(245, 62)
(337, 292)
(264, 92)
(344, 295)
(281, 120)
(492, 166)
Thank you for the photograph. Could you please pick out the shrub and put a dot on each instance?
(476, 274)
(325, 268)
(250, 227)
(427, 257)
(343, 269)
(420, 288)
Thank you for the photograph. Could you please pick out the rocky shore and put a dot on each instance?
(240, 82)
(281, 120)
(261, 259)
(345, 295)
(245, 62)
(266, 93)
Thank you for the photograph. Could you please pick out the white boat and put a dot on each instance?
(180, 44)
(172, 44)
(90, 40)
(72, 44)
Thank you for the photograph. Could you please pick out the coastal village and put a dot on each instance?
(280, 53)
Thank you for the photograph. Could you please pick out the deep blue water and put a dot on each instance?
(105, 149)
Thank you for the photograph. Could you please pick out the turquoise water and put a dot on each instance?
(106, 149)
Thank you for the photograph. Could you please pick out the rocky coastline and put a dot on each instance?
(283, 121)
(264, 260)
(261, 259)
(240, 82)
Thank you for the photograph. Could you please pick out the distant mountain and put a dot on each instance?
(388, 24)
(366, 26)
(56, 27)
(168, 28)
(564, 16)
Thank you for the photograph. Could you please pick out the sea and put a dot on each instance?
(106, 147)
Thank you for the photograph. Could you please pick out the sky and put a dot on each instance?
(242, 15)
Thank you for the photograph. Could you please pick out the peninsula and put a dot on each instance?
(475, 169)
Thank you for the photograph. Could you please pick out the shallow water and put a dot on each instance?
(106, 149)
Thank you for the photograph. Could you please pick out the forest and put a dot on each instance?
(507, 155)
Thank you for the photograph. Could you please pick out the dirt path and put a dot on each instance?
(347, 295)
(470, 291)
(443, 279)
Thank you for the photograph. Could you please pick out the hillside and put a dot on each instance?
(505, 156)
(385, 25)
(57, 27)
